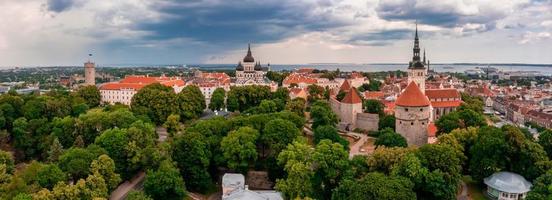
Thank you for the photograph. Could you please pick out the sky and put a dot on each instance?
(64, 32)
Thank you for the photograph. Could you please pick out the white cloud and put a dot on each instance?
(30, 34)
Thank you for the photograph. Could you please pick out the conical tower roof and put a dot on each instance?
(412, 97)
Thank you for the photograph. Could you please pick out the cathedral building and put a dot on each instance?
(250, 72)
(416, 109)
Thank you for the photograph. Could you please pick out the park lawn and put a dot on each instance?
(475, 192)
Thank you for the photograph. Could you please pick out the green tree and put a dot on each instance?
(217, 99)
(137, 195)
(76, 161)
(545, 140)
(296, 106)
(55, 151)
(157, 102)
(165, 182)
(315, 93)
(297, 161)
(488, 153)
(327, 132)
(239, 148)
(245, 97)
(90, 94)
(373, 106)
(104, 166)
(542, 187)
(267, 106)
(460, 119)
(332, 166)
(192, 156)
(389, 138)
(276, 135)
(191, 102)
(322, 114)
(173, 124)
(376, 186)
(387, 121)
(49, 175)
(6, 159)
(65, 130)
(114, 141)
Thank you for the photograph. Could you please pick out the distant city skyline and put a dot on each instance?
(64, 32)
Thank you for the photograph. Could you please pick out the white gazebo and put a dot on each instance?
(507, 186)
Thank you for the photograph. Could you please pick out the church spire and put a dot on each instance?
(248, 58)
(416, 49)
(424, 57)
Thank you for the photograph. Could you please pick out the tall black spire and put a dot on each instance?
(416, 61)
(416, 49)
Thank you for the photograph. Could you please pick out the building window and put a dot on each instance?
(421, 109)
(412, 123)
(406, 109)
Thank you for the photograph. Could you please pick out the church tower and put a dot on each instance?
(416, 69)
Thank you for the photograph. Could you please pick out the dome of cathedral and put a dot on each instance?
(239, 67)
(258, 67)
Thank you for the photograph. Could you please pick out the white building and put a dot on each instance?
(507, 186)
(123, 91)
(234, 188)
(209, 82)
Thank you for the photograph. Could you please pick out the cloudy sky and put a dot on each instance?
(63, 32)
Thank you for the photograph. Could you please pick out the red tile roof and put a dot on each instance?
(121, 86)
(373, 95)
(139, 79)
(345, 86)
(138, 82)
(412, 96)
(295, 90)
(442, 93)
(352, 97)
(431, 130)
(299, 78)
(445, 104)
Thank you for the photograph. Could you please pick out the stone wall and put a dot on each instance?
(367, 121)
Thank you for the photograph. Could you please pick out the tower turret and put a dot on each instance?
(89, 72)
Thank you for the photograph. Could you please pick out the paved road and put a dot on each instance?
(464, 194)
(353, 149)
(123, 189)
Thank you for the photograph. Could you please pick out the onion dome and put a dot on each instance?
(239, 67)
(248, 58)
(412, 97)
(258, 67)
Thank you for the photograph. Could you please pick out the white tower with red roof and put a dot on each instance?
(412, 113)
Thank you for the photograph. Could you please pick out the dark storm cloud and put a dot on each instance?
(443, 15)
(386, 37)
(60, 5)
(235, 22)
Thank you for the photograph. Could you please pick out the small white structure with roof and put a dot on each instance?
(234, 188)
(507, 186)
